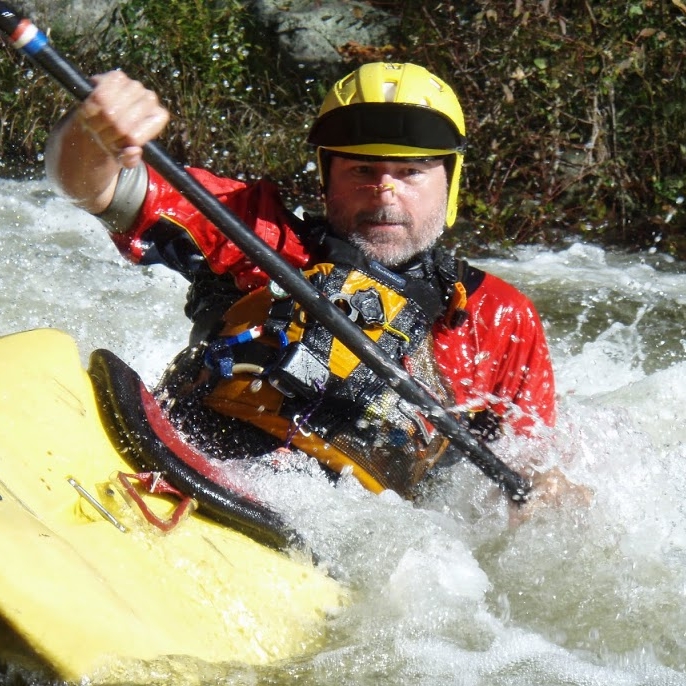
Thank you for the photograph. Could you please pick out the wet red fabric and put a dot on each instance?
(498, 358)
(258, 205)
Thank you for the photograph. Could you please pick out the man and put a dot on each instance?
(389, 141)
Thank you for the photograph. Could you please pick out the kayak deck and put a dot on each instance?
(90, 599)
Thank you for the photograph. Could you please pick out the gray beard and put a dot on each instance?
(391, 257)
(376, 245)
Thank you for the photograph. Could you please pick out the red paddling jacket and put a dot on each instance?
(495, 356)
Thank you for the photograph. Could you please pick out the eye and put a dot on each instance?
(362, 170)
(412, 174)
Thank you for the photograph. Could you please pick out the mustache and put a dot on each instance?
(383, 215)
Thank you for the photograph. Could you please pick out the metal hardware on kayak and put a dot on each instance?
(24, 36)
(96, 504)
(155, 483)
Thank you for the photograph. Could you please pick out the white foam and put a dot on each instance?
(446, 592)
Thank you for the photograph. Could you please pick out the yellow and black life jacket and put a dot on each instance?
(274, 367)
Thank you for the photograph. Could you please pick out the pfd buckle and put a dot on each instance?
(365, 305)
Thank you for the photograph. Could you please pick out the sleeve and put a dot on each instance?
(170, 230)
(499, 358)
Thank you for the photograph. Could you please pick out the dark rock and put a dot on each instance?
(77, 17)
(310, 33)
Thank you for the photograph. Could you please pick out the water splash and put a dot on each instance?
(445, 590)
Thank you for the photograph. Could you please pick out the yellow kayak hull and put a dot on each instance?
(91, 600)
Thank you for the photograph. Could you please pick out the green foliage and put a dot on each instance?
(210, 67)
(206, 41)
(191, 52)
(201, 59)
(576, 112)
(28, 108)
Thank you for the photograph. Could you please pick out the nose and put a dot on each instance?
(385, 187)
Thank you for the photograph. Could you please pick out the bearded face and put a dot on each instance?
(391, 210)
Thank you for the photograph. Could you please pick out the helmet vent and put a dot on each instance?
(389, 90)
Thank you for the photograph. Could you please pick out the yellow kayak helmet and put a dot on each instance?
(386, 109)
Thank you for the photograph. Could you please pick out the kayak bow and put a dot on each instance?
(91, 599)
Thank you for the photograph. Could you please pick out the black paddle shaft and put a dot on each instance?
(25, 37)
